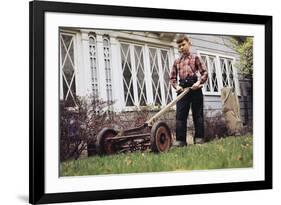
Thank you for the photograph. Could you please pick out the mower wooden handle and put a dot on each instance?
(152, 120)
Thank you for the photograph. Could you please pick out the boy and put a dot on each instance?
(192, 73)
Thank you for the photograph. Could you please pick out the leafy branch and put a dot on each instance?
(245, 49)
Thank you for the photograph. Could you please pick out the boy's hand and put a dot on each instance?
(179, 89)
(196, 86)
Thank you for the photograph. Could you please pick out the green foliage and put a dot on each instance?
(245, 49)
(230, 152)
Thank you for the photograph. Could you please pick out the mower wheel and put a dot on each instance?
(104, 145)
(161, 138)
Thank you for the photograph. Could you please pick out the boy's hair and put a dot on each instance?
(182, 38)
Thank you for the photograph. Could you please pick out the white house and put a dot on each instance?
(132, 68)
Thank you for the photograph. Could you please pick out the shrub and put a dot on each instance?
(79, 126)
(214, 125)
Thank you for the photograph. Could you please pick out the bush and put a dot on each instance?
(214, 125)
(79, 126)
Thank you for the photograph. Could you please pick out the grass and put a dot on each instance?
(230, 152)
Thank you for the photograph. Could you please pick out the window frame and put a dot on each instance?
(75, 62)
(147, 73)
(108, 74)
(219, 73)
(93, 35)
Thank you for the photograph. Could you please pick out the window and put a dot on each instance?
(139, 66)
(166, 69)
(93, 64)
(107, 67)
(67, 66)
(133, 70)
(127, 75)
(155, 75)
(212, 82)
(145, 72)
(221, 73)
(227, 72)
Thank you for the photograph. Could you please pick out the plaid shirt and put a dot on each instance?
(188, 65)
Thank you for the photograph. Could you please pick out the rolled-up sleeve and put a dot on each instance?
(201, 67)
(173, 75)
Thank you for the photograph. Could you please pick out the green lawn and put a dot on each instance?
(230, 152)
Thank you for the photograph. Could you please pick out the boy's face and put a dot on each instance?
(184, 47)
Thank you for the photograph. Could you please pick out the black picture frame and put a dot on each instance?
(37, 98)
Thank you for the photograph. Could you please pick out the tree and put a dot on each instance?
(244, 46)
